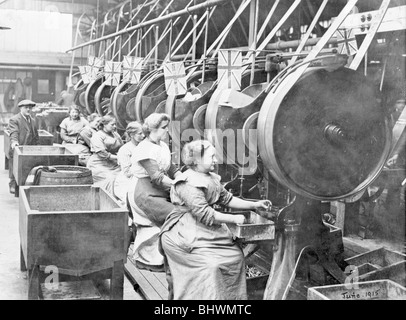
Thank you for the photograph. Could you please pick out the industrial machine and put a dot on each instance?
(295, 95)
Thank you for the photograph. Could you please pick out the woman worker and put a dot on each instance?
(203, 260)
(84, 138)
(149, 199)
(70, 134)
(104, 145)
(123, 181)
(72, 125)
(87, 132)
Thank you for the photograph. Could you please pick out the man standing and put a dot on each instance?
(23, 131)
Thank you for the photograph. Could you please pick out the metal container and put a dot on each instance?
(256, 228)
(256, 284)
(45, 138)
(79, 229)
(28, 157)
(380, 264)
(370, 290)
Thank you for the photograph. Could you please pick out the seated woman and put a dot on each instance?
(70, 129)
(104, 145)
(87, 131)
(124, 179)
(203, 260)
(149, 200)
(84, 138)
(72, 125)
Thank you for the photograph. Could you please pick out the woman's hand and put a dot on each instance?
(240, 204)
(14, 144)
(392, 161)
(239, 219)
(263, 204)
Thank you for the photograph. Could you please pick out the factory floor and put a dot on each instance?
(13, 282)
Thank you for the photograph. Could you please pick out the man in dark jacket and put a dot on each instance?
(23, 131)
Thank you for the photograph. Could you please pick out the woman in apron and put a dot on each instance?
(204, 261)
(149, 199)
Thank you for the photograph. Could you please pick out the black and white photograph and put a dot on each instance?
(201, 157)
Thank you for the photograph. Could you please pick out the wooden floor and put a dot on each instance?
(150, 285)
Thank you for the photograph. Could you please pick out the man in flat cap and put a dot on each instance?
(23, 131)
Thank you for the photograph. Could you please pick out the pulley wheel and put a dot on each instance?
(249, 132)
(90, 94)
(227, 118)
(130, 109)
(199, 118)
(148, 93)
(326, 136)
(116, 106)
(79, 91)
(103, 93)
(82, 100)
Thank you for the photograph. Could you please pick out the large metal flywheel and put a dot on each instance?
(325, 136)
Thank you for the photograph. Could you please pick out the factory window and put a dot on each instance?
(43, 86)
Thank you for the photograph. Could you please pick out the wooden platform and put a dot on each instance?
(151, 285)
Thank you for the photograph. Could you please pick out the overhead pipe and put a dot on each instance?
(283, 45)
(34, 68)
(208, 3)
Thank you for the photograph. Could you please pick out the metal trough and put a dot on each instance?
(79, 230)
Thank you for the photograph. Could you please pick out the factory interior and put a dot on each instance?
(109, 108)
